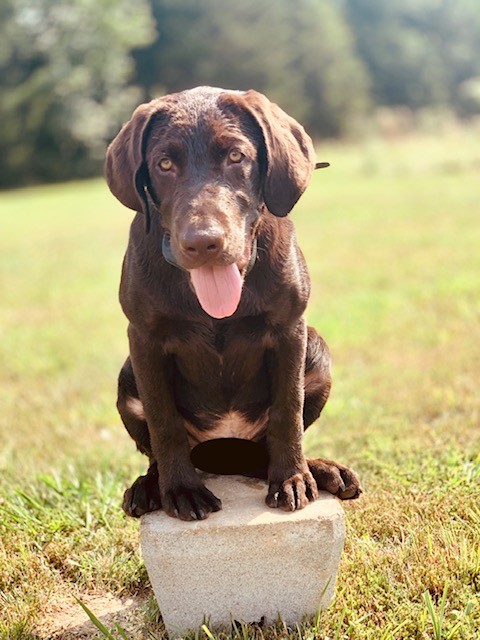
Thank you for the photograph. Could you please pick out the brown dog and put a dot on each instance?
(223, 372)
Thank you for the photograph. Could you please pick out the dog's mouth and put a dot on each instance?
(218, 287)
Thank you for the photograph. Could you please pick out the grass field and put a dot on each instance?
(391, 233)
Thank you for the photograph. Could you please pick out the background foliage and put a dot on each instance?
(64, 73)
(71, 72)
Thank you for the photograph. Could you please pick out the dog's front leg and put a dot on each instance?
(291, 485)
(182, 493)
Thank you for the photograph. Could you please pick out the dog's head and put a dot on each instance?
(209, 161)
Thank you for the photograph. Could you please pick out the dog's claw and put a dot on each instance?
(338, 480)
(143, 496)
(351, 493)
(190, 502)
(293, 493)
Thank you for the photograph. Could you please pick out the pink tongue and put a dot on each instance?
(218, 289)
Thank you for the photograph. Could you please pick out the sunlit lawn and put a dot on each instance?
(391, 233)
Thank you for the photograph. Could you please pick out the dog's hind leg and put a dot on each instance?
(318, 380)
(130, 408)
(329, 475)
(144, 495)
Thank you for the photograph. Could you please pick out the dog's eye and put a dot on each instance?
(165, 164)
(235, 156)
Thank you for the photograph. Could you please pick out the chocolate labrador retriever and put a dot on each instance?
(223, 373)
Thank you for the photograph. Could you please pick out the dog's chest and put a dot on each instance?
(232, 424)
(230, 352)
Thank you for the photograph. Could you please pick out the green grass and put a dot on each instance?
(391, 233)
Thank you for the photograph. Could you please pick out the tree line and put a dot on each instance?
(71, 71)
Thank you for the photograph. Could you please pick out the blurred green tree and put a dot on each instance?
(418, 52)
(298, 52)
(72, 70)
(64, 69)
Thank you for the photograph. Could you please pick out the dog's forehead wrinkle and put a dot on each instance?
(198, 126)
(202, 99)
(194, 107)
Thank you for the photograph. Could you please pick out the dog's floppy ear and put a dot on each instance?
(290, 156)
(126, 170)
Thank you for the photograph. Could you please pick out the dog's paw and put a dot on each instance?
(190, 502)
(293, 493)
(330, 476)
(143, 496)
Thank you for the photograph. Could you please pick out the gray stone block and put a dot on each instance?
(246, 562)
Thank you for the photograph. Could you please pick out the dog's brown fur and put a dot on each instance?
(260, 374)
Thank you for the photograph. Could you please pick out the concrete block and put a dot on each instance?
(246, 562)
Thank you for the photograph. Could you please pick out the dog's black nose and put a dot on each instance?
(202, 243)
